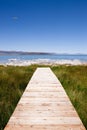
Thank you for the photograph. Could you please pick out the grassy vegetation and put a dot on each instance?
(13, 81)
(74, 81)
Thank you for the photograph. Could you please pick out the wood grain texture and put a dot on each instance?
(44, 106)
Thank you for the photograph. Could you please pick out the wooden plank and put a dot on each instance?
(44, 94)
(45, 113)
(27, 120)
(44, 127)
(44, 106)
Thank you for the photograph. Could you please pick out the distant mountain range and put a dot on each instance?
(34, 53)
(23, 53)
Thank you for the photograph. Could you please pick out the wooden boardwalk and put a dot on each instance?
(44, 106)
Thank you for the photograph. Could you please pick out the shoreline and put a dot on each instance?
(16, 62)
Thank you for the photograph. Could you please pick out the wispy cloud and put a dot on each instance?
(15, 18)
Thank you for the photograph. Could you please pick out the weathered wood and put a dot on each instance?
(44, 106)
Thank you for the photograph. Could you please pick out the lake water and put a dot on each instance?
(8, 58)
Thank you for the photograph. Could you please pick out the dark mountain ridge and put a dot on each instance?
(23, 53)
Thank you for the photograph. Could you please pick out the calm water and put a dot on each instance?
(6, 58)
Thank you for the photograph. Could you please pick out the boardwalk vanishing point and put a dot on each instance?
(44, 106)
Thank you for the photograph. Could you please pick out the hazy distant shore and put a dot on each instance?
(20, 58)
(16, 62)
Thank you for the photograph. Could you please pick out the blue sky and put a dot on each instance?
(44, 25)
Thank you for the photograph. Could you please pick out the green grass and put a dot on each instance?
(74, 81)
(13, 81)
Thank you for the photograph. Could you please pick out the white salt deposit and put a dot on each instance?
(16, 62)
